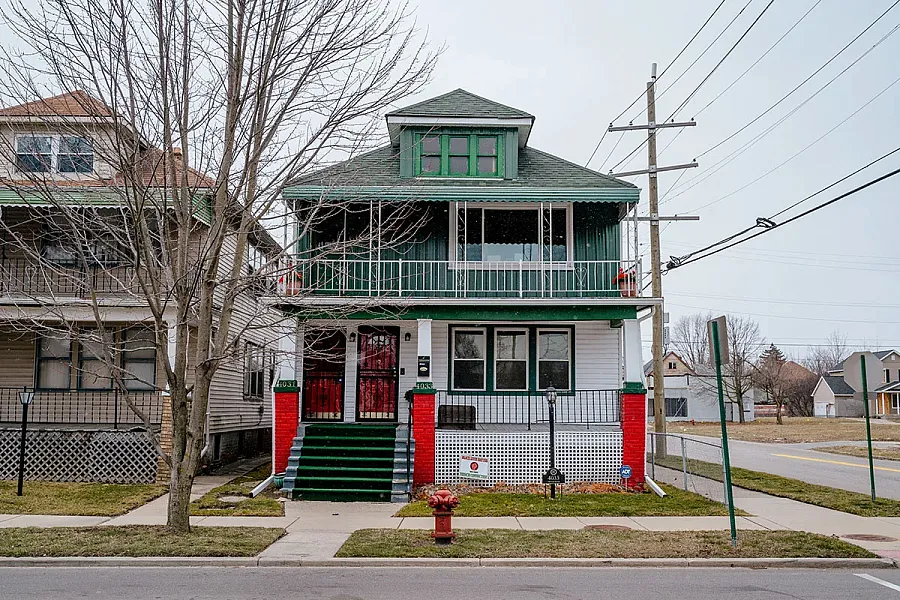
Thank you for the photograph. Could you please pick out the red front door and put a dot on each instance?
(377, 379)
(324, 360)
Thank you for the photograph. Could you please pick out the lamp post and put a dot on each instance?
(550, 394)
(25, 397)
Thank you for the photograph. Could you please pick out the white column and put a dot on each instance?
(424, 350)
(634, 363)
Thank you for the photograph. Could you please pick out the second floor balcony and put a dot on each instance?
(461, 279)
(22, 277)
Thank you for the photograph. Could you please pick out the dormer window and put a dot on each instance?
(458, 155)
(57, 153)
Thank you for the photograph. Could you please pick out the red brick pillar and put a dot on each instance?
(423, 433)
(634, 432)
(287, 417)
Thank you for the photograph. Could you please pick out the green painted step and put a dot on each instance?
(346, 451)
(305, 471)
(343, 483)
(362, 461)
(347, 495)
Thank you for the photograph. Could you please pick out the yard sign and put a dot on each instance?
(472, 467)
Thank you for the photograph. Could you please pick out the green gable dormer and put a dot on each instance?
(459, 135)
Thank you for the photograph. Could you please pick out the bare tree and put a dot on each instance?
(202, 113)
(770, 374)
(827, 356)
(690, 340)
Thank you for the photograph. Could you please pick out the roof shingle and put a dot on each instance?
(72, 104)
(460, 103)
(838, 385)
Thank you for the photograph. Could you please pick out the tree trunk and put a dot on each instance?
(179, 512)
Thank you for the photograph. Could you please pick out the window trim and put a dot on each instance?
(79, 385)
(40, 360)
(444, 137)
(526, 360)
(124, 361)
(55, 144)
(248, 374)
(451, 376)
(569, 331)
(453, 241)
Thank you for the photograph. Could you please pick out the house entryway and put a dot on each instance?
(377, 381)
(324, 362)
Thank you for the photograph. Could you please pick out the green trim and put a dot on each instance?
(445, 154)
(286, 385)
(476, 313)
(424, 387)
(432, 192)
(633, 388)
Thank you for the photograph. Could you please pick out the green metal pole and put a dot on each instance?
(865, 391)
(725, 456)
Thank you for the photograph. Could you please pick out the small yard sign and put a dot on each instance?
(625, 471)
(472, 467)
(554, 475)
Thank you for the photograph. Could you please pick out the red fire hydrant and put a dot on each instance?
(443, 503)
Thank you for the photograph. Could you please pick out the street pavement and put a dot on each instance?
(460, 583)
(800, 461)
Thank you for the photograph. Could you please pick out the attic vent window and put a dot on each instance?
(458, 155)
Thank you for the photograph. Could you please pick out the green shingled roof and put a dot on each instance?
(460, 103)
(537, 169)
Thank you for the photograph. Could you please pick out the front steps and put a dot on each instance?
(348, 462)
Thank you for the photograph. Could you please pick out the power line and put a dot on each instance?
(636, 100)
(792, 317)
(790, 93)
(795, 302)
(770, 226)
(706, 78)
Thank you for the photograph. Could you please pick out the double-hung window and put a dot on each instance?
(54, 363)
(459, 155)
(254, 371)
(676, 407)
(93, 371)
(139, 358)
(510, 359)
(554, 351)
(59, 153)
(469, 359)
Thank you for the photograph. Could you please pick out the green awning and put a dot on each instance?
(486, 193)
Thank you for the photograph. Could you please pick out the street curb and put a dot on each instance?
(262, 561)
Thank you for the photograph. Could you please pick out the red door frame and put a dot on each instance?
(386, 374)
(327, 382)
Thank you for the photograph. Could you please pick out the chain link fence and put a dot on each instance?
(688, 463)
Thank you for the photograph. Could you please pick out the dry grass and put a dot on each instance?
(263, 505)
(136, 540)
(504, 543)
(678, 503)
(795, 430)
(884, 453)
(89, 499)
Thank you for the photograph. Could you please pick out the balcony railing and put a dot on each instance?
(448, 279)
(82, 407)
(466, 410)
(23, 277)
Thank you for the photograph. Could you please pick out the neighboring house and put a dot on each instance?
(515, 283)
(73, 388)
(834, 397)
(691, 394)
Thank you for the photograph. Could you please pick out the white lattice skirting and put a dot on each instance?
(80, 455)
(523, 457)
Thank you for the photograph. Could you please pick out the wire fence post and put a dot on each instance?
(684, 463)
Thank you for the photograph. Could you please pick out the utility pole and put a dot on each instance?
(659, 392)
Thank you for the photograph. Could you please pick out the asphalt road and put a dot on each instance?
(798, 461)
(443, 583)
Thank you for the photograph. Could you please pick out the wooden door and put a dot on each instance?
(324, 361)
(377, 384)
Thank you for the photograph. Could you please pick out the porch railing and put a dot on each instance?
(457, 279)
(20, 276)
(462, 410)
(82, 407)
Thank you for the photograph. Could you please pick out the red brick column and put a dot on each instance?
(423, 432)
(287, 417)
(634, 435)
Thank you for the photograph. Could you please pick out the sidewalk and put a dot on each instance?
(316, 530)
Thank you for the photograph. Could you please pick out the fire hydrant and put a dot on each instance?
(443, 503)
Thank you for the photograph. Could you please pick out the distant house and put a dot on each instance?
(691, 392)
(834, 397)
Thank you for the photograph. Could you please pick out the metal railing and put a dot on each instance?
(687, 462)
(462, 410)
(82, 407)
(20, 276)
(441, 278)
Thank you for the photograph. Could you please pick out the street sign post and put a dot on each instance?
(718, 339)
(858, 368)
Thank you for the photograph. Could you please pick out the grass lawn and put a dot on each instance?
(892, 453)
(795, 430)
(784, 487)
(92, 499)
(503, 543)
(677, 504)
(135, 540)
(264, 505)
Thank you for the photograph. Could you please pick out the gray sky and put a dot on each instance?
(576, 64)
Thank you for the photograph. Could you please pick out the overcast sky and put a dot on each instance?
(575, 65)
